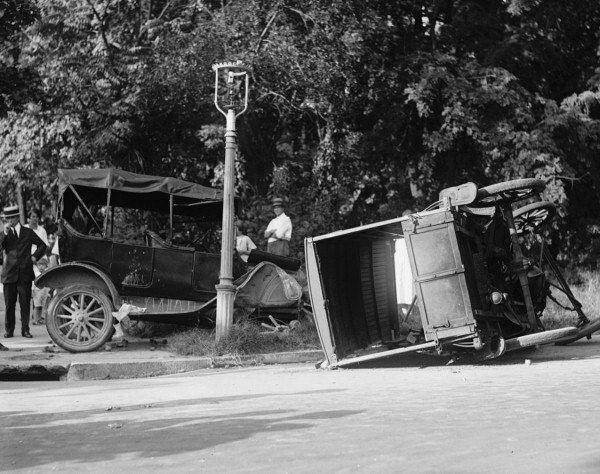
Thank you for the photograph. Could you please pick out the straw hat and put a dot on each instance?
(10, 211)
(277, 202)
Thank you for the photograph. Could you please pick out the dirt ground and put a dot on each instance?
(533, 411)
(413, 415)
(39, 333)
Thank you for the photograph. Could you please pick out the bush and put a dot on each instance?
(245, 337)
(585, 289)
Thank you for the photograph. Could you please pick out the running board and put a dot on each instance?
(383, 354)
(538, 338)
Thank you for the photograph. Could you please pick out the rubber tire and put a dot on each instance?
(57, 335)
(479, 211)
(551, 208)
(490, 195)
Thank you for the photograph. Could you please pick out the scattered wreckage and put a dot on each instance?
(469, 275)
(104, 277)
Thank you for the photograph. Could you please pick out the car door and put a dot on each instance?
(206, 272)
(172, 274)
(131, 268)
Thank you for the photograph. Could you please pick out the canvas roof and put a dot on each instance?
(139, 191)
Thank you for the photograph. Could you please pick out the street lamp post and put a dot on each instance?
(231, 99)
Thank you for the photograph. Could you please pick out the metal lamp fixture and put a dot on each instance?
(230, 77)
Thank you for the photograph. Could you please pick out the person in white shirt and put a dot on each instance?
(54, 254)
(34, 224)
(243, 243)
(279, 231)
(39, 295)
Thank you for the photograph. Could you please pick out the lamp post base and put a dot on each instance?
(225, 297)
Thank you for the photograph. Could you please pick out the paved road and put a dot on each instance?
(419, 417)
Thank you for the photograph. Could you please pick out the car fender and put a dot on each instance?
(79, 273)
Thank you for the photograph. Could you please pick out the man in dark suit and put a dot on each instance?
(17, 268)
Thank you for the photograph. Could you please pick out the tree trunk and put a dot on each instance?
(21, 204)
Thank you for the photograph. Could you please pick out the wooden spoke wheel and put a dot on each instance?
(80, 318)
(479, 211)
(508, 191)
(532, 217)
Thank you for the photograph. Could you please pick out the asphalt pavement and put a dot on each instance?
(531, 412)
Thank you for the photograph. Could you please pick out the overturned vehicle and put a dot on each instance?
(114, 265)
(468, 276)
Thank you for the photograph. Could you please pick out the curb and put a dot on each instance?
(140, 369)
(296, 357)
(134, 370)
(74, 371)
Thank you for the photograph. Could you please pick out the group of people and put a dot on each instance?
(26, 251)
(278, 234)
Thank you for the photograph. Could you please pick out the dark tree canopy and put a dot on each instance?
(359, 110)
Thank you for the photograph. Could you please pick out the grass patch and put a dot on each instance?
(586, 288)
(246, 337)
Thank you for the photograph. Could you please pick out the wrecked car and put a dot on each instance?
(113, 265)
(469, 275)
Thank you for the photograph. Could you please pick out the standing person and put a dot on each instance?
(243, 243)
(279, 231)
(17, 269)
(39, 295)
(52, 251)
(34, 224)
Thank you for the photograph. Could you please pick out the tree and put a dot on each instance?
(359, 110)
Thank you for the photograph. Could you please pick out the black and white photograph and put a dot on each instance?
(299, 236)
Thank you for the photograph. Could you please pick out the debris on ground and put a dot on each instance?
(276, 326)
(121, 342)
(155, 342)
(116, 344)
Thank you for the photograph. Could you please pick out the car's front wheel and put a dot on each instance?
(80, 318)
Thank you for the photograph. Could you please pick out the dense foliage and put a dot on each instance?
(359, 109)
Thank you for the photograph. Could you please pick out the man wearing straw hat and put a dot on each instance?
(279, 231)
(17, 269)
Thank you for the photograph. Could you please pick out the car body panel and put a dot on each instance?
(439, 275)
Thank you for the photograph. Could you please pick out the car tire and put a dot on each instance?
(533, 217)
(511, 191)
(80, 318)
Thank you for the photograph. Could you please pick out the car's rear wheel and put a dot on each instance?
(80, 318)
(508, 191)
(532, 217)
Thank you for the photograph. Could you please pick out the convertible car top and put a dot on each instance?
(139, 191)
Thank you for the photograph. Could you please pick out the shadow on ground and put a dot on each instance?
(99, 435)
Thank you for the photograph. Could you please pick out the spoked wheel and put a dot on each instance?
(508, 191)
(479, 211)
(532, 217)
(80, 318)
